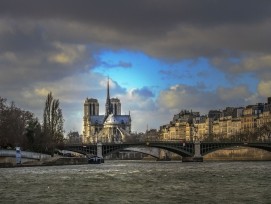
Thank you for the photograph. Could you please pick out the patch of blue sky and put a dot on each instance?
(210, 76)
(198, 73)
(136, 70)
(247, 79)
(142, 72)
(235, 60)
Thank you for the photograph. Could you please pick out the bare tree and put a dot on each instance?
(34, 136)
(52, 122)
(13, 122)
(264, 132)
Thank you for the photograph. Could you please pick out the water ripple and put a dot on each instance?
(139, 182)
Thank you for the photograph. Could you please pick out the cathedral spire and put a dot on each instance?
(108, 102)
(108, 95)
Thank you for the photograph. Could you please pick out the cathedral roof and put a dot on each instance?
(97, 119)
(113, 119)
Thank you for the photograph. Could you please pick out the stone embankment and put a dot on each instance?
(239, 154)
(53, 161)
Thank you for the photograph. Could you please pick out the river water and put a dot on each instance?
(139, 182)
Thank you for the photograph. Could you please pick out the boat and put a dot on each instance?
(95, 160)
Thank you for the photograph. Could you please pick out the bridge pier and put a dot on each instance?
(187, 159)
(100, 149)
(197, 156)
(192, 159)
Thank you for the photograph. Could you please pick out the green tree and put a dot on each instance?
(52, 123)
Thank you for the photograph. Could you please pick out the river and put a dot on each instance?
(139, 182)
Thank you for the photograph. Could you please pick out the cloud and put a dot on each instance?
(138, 99)
(231, 94)
(143, 108)
(146, 14)
(67, 54)
(264, 88)
(71, 92)
(178, 29)
(180, 97)
(47, 36)
(54, 47)
(259, 64)
(144, 92)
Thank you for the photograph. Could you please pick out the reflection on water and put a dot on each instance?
(139, 182)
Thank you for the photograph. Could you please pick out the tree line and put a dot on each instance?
(21, 128)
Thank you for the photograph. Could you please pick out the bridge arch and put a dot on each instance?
(151, 151)
(176, 150)
(186, 150)
(81, 149)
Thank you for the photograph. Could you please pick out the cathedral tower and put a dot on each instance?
(116, 106)
(91, 107)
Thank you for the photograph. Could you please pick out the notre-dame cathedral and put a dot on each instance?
(110, 127)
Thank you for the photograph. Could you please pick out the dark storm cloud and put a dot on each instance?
(43, 38)
(26, 51)
(174, 29)
(51, 45)
(142, 13)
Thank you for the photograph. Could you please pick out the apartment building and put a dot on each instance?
(221, 124)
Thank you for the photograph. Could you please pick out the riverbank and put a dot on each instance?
(54, 161)
(239, 154)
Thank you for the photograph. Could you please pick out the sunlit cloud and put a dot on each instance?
(264, 88)
(41, 91)
(67, 54)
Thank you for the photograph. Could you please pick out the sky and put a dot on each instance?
(161, 56)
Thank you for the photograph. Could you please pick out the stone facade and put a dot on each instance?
(190, 126)
(180, 128)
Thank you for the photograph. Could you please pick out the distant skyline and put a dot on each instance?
(161, 56)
